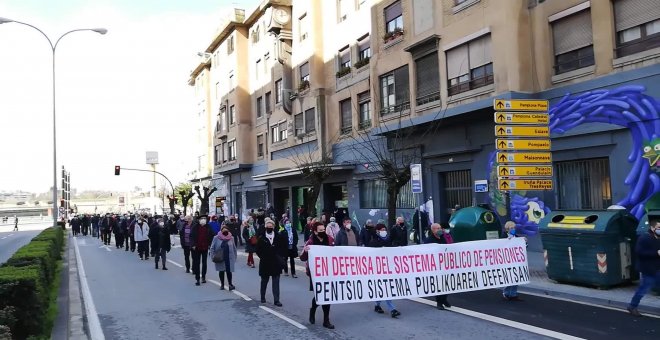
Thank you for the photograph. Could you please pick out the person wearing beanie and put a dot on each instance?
(270, 249)
(201, 237)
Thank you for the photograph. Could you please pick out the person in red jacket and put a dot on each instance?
(201, 236)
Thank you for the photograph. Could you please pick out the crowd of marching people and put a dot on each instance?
(274, 240)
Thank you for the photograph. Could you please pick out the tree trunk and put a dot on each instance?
(392, 194)
(312, 197)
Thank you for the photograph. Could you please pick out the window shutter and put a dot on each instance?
(298, 123)
(428, 75)
(572, 33)
(364, 96)
(480, 53)
(304, 69)
(631, 13)
(364, 43)
(346, 114)
(401, 85)
(457, 62)
(310, 122)
(344, 56)
(393, 11)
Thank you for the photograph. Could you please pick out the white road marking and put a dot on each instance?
(245, 297)
(3, 238)
(176, 246)
(283, 317)
(95, 330)
(10, 235)
(582, 303)
(504, 322)
(174, 263)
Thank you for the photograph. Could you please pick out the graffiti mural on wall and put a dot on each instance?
(625, 106)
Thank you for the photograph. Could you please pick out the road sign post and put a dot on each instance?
(416, 186)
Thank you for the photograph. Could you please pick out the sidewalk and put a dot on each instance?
(616, 297)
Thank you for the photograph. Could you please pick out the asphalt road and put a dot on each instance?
(135, 301)
(11, 241)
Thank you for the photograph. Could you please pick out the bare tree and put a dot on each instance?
(204, 208)
(184, 194)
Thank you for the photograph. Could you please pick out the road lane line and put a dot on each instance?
(583, 303)
(504, 322)
(243, 296)
(95, 330)
(3, 238)
(174, 263)
(283, 317)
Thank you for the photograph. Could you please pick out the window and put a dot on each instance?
(304, 72)
(584, 184)
(345, 58)
(364, 104)
(223, 120)
(216, 154)
(267, 99)
(573, 42)
(255, 199)
(255, 35)
(257, 69)
(470, 66)
(232, 115)
(310, 120)
(299, 124)
(393, 18)
(427, 79)
(231, 146)
(373, 195)
(283, 131)
(394, 91)
(457, 188)
(260, 103)
(302, 27)
(346, 115)
(230, 45)
(364, 48)
(224, 152)
(637, 26)
(260, 145)
(231, 82)
(343, 8)
(278, 91)
(274, 134)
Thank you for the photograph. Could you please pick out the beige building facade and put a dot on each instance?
(321, 74)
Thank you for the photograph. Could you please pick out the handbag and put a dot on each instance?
(219, 256)
(253, 240)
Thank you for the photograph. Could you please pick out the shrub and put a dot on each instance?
(23, 289)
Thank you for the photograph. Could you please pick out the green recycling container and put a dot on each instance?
(473, 224)
(652, 208)
(591, 248)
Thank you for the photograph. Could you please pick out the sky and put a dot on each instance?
(118, 95)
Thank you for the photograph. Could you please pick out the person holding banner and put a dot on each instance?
(510, 293)
(367, 233)
(270, 248)
(318, 238)
(440, 235)
(382, 239)
(348, 235)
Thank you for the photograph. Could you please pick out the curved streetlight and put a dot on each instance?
(53, 48)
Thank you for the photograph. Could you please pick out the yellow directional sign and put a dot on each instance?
(521, 118)
(521, 131)
(522, 144)
(524, 184)
(524, 157)
(520, 105)
(525, 171)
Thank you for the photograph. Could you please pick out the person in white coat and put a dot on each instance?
(141, 235)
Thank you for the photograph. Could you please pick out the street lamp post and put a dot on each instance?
(53, 47)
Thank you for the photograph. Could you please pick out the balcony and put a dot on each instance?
(386, 111)
(364, 124)
(346, 130)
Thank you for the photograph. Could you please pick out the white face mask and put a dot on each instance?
(382, 233)
(657, 231)
(348, 226)
(202, 221)
(161, 223)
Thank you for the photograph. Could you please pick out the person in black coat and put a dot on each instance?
(439, 234)
(86, 222)
(383, 239)
(160, 242)
(291, 253)
(270, 247)
(399, 233)
(119, 234)
(648, 264)
(201, 237)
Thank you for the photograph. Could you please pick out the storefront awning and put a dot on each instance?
(296, 172)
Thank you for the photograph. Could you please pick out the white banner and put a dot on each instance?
(359, 274)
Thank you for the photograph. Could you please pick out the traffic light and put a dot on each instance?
(117, 169)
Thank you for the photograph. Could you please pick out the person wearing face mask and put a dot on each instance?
(235, 229)
(382, 239)
(648, 264)
(399, 233)
(270, 249)
(510, 293)
(318, 238)
(141, 236)
(223, 242)
(160, 242)
(348, 235)
(367, 233)
(200, 238)
(185, 239)
(440, 235)
(250, 237)
(292, 249)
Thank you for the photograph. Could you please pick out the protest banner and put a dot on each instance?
(359, 274)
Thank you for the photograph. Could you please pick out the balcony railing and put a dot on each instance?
(429, 98)
(394, 109)
(364, 124)
(346, 130)
(471, 84)
(641, 45)
(574, 64)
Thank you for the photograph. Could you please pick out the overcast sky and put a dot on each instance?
(118, 95)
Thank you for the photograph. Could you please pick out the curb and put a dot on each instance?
(588, 299)
(77, 321)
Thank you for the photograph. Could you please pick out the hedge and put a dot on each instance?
(26, 280)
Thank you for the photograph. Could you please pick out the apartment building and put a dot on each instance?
(345, 69)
